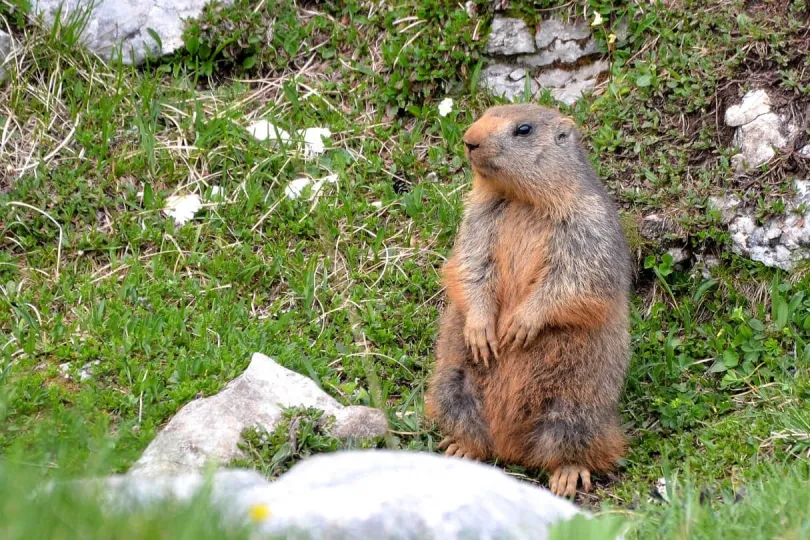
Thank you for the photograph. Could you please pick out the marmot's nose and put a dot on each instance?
(471, 146)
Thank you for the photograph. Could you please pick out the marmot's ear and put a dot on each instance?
(566, 129)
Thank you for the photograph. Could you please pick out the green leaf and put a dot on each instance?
(705, 286)
(148, 196)
(157, 39)
(643, 81)
(718, 367)
(192, 45)
(730, 358)
(249, 62)
(782, 314)
(756, 325)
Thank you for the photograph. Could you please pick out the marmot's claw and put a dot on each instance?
(456, 449)
(444, 444)
(518, 334)
(563, 482)
(482, 341)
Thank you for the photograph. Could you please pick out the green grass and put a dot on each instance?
(94, 276)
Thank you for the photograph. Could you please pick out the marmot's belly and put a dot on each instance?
(521, 386)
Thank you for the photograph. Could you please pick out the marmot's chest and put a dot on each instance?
(520, 253)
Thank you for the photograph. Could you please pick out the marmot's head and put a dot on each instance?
(519, 144)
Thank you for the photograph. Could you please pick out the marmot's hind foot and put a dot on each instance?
(564, 480)
(454, 448)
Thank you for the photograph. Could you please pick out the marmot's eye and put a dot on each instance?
(523, 129)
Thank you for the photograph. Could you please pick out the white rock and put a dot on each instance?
(554, 78)
(127, 22)
(553, 28)
(566, 52)
(679, 255)
(805, 150)
(313, 141)
(86, 371)
(496, 80)
(263, 130)
(781, 241)
(518, 74)
(509, 36)
(295, 188)
(759, 139)
(366, 494)
(182, 207)
(5, 52)
(570, 93)
(726, 205)
(209, 429)
(754, 104)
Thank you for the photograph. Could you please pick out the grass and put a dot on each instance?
(344, 287)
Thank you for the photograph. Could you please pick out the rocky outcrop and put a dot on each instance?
(209, 430)
(562, 56)
(759, 131)
(779, 242)
(127, 25)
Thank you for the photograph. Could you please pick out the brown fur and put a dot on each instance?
(538, 283)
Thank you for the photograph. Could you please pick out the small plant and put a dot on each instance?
(301, 433)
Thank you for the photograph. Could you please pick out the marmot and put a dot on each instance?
(534, 344)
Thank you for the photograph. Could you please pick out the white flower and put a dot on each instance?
(313, 141)
(182, 207)
(445, 106)
(597, 19)
(263, 130)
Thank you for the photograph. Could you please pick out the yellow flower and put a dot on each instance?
(611, 39)
(259, 512)
(597, 19)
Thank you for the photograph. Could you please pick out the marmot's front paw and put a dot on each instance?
(520, 330)
(479, 335)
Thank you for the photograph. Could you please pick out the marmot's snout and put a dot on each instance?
(475, 139)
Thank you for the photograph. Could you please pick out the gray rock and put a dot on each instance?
(126, 23)
(509, 36)
(553, 28)
(727, 206)
(518, 74)
(368, 494)
(656, 228)
(781, 241)
(754, 104)
(760, 132)
(559, 78)
(572, 91)
(5, 52)
(209, 429)
(497, 80)
(758, 140)
(566, 52)
(554, 78)
(679, 255)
